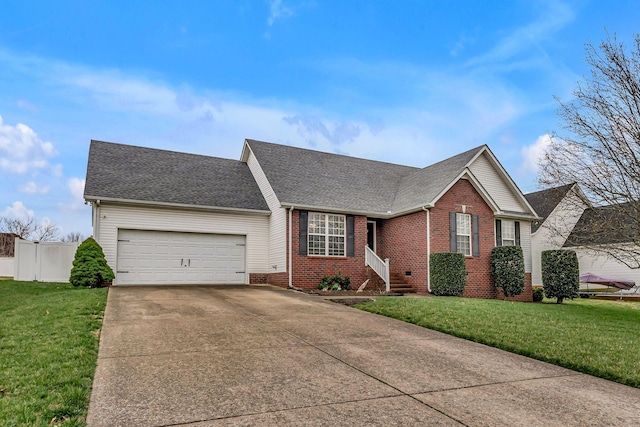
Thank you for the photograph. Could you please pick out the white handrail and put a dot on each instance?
(378, 265)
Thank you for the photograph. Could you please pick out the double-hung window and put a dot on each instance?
(463, 233)
(326, 234)
(507, 232)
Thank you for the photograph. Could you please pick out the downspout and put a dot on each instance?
(424, 208)
(96, 228)
(290, 247)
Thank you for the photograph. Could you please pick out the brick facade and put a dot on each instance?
(309, 270)
(464, 197)
(404, 241)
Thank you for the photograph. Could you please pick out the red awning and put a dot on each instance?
(607, 281)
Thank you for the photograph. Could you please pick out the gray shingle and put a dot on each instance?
(126, 172)
(545, 201)
(313, 178)
(606, 225)
(423, 185)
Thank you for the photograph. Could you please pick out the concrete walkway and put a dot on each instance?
(208, 356)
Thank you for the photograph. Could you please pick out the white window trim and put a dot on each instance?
(503, 223)
(326, 235)
(470, 234)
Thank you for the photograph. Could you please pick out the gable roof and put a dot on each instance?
(604, 225)
(137, 174)
(424, 185)
(317, 180)
(545, 201)
(305, 177)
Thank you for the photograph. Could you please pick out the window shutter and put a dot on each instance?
(476, 234)
(453, 238)
(303, 231)
(350, 235)
(498, 232)
(517, 227)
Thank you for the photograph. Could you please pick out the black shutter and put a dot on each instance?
(350, 235)
(498, 232)
(476, 234)
(517, 227)
(453, 235)
(303, 231)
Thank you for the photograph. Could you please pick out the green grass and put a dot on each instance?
(49, 335)
(600, 338)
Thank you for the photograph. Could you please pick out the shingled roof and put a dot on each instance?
(315, 178)
(424, 185)
(307, 177)
(605, 225)
(545, 201)
(128, 173)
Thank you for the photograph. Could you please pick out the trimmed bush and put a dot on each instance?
(90, 267)
(560, 274)
(507, 270)
(448, 273)
(335, 283)
(538, 294)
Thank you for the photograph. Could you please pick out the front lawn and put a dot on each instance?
(600, 338)
(49, 334)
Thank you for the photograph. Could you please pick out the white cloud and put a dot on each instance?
(33, 188)
(17, 210)
(21, 150)
(76, 188)
(277, 10)
(532, 154)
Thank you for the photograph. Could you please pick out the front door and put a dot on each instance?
(371, 235)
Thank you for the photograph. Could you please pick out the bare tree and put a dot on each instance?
(73, 236)
(600, 150)
(30, 228)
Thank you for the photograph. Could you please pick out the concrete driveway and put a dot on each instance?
(210, 356)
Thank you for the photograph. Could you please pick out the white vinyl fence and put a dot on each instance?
(6, 266)
(43, 261)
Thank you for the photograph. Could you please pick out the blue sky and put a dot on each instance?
(409, 82)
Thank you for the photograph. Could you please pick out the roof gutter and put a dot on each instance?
(377, 215)
(176, 205)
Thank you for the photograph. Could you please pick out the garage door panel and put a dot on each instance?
(160, 257)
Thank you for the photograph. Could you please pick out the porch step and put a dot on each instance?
(402, 288)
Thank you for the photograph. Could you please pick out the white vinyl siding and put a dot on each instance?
(495, 185)
(326, 234)
(463, 233)
(600, 264)
(254, 227)
(277, 221)
(525, 244)
(554, 232)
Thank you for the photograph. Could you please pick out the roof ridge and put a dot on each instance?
(293, 147)
(164, 150)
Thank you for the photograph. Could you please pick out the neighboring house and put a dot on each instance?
(568, 222)
(588, 234)
(560, 209)
(288, 216)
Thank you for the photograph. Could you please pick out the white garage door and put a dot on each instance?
(162, 257)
